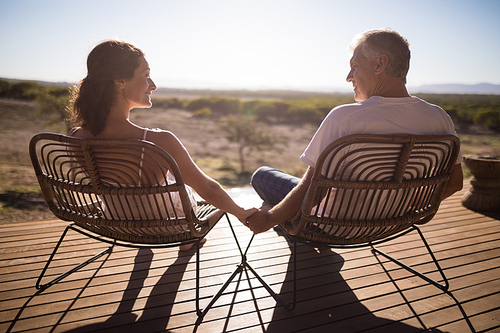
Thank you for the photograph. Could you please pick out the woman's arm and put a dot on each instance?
(206, 187)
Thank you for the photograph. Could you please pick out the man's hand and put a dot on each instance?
(261, 220)
(267, 217)
(246, 213)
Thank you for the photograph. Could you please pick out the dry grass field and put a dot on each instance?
(20, 198)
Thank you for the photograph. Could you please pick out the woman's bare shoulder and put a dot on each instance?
(165, 139)
(158, 135)
(78, 132)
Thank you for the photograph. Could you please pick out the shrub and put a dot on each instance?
(488, 118)
(168, 103)
(260, 109)
(27, 91)
(197, 104)
(55, 100)
(220, 106)
(225, 107)
(203, 113)
(5, 87)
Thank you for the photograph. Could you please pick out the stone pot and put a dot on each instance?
(484, 194)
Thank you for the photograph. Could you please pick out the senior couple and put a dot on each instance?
(119, 79)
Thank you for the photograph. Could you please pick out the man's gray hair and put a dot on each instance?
(386, 41)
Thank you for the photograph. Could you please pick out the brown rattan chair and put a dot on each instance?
(368, 189)
(122, 192)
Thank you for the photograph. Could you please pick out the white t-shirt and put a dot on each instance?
(379, 115)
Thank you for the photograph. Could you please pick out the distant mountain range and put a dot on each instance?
(481, 88)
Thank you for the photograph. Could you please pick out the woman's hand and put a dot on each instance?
(245, 214)
(261, 221)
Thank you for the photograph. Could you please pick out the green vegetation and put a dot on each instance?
(227, 133)
(245, 132)
(271, 107)
(51, 99)
(465, 110)
(468, 110)
(308, 109)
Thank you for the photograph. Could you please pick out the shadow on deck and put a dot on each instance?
(343, 290)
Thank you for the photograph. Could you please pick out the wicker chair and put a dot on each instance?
(368, 189)
(123, 192)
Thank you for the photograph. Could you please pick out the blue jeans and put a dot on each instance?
(273, 185)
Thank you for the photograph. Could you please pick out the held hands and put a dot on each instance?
(260, 221)
(246, 213)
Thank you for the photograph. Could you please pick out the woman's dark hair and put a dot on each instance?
(93, 98)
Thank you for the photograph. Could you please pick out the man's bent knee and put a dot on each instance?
(259, 173)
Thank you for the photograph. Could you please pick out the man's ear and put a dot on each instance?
(382, 62)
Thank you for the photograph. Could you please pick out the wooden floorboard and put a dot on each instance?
(342, 290)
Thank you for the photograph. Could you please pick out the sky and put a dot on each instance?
(257, 44)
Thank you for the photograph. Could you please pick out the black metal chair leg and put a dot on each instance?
(441, 286)
(242, 266)
(43, 286)
(199, 311)
(276, 297)
(197, 292)
(214, 299)
(294, 254)
(256, 305)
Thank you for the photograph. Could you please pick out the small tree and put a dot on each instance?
(248, 134)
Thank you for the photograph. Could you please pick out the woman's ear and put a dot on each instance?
(382, 62)
(119, 83)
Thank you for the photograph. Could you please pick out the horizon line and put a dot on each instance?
(320, 90)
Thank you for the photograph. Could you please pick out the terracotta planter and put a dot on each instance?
(484, 195)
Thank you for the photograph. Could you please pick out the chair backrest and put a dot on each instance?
(369, 187)
(131, 190)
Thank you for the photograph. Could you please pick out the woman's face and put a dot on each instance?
(137, 90)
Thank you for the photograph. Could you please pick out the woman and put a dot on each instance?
(118, 80)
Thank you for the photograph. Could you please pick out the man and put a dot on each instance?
(379, 64)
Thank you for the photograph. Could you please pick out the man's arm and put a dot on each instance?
(266, 218)
(456, 181)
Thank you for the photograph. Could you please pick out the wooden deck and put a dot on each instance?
(343, 290)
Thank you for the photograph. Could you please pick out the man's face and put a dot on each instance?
(362, 75)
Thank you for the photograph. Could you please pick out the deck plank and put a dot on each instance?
(347, 290)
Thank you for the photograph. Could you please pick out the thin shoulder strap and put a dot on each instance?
(142, 155)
